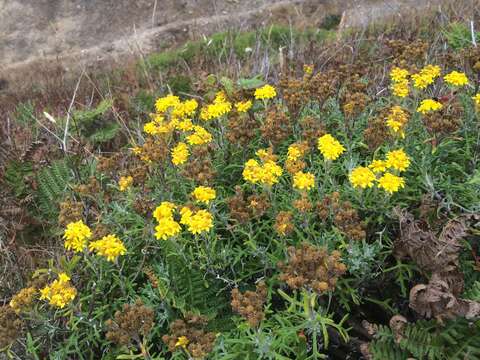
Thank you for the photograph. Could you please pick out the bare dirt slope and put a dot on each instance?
(78, 33)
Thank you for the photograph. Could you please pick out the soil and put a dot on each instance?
(86, 33)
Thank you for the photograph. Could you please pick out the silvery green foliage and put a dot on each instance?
(362, 258)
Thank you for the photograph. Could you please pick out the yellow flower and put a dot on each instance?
(398, 75)
(428, 105)
(426, 76)
(296, 151)
(308, 69)
(185, 213)
(251, 171)
(182, 341)
(476, 99)
(303, 181)
(204, 194)
(391, 183)
(266, 155)
(125, 182)
(137, 150)
(167, 227)
(164, 210)
(265, 92)
(330, 148)
(398, 160)
(293, 153)
(456, 78)
(186, 108)
(215, 110)
(150, 128)
(109, 246)
(243, 106)
(396, 119)
(165, 103)
(199, 222)
(362, 177)
(180, 153)
(267, 174)
(400, 89)
(185, 125)
(378, 166)
(60, 292)
(199, 137)
(76, 236)
(271, 173)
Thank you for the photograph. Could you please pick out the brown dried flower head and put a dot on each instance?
(10, 326)
(132, 322)
(250, 304)
(312, 268)
(283, 223)
(190, 334)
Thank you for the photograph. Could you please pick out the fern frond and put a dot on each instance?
(52, 186)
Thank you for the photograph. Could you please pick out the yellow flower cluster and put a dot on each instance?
(200, 136)
(476, 100)
(364, 177)
(204, 194)
(163, 104)
(167, 226)
(391, 183)
(158, 125)
(180, 153)
(109, 246)
(397, 74)
(330, 148)
(219, 107)
(399, 78)
(426, 76)
(456, 78)
(266, 173)
(378, 166)
(76, 236)
(125, 182)
(397, 119)
(428, 105)
(265, 92)
(400, 89)
(303, 181)
(398, 160)
(171, 107)
(184, 109)
(196, 222)
(60, 292)
(182, 342)
(243, 106)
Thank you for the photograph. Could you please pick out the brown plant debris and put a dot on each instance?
(190, 335)
(438, 255)
(429, 251)
(312, 268)
(343, 216)
(130, 323)
(250, 304)
(435, 299)
(10, 326)
(397, 324)
(243, 208)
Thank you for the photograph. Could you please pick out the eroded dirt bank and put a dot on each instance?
(89, 33)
